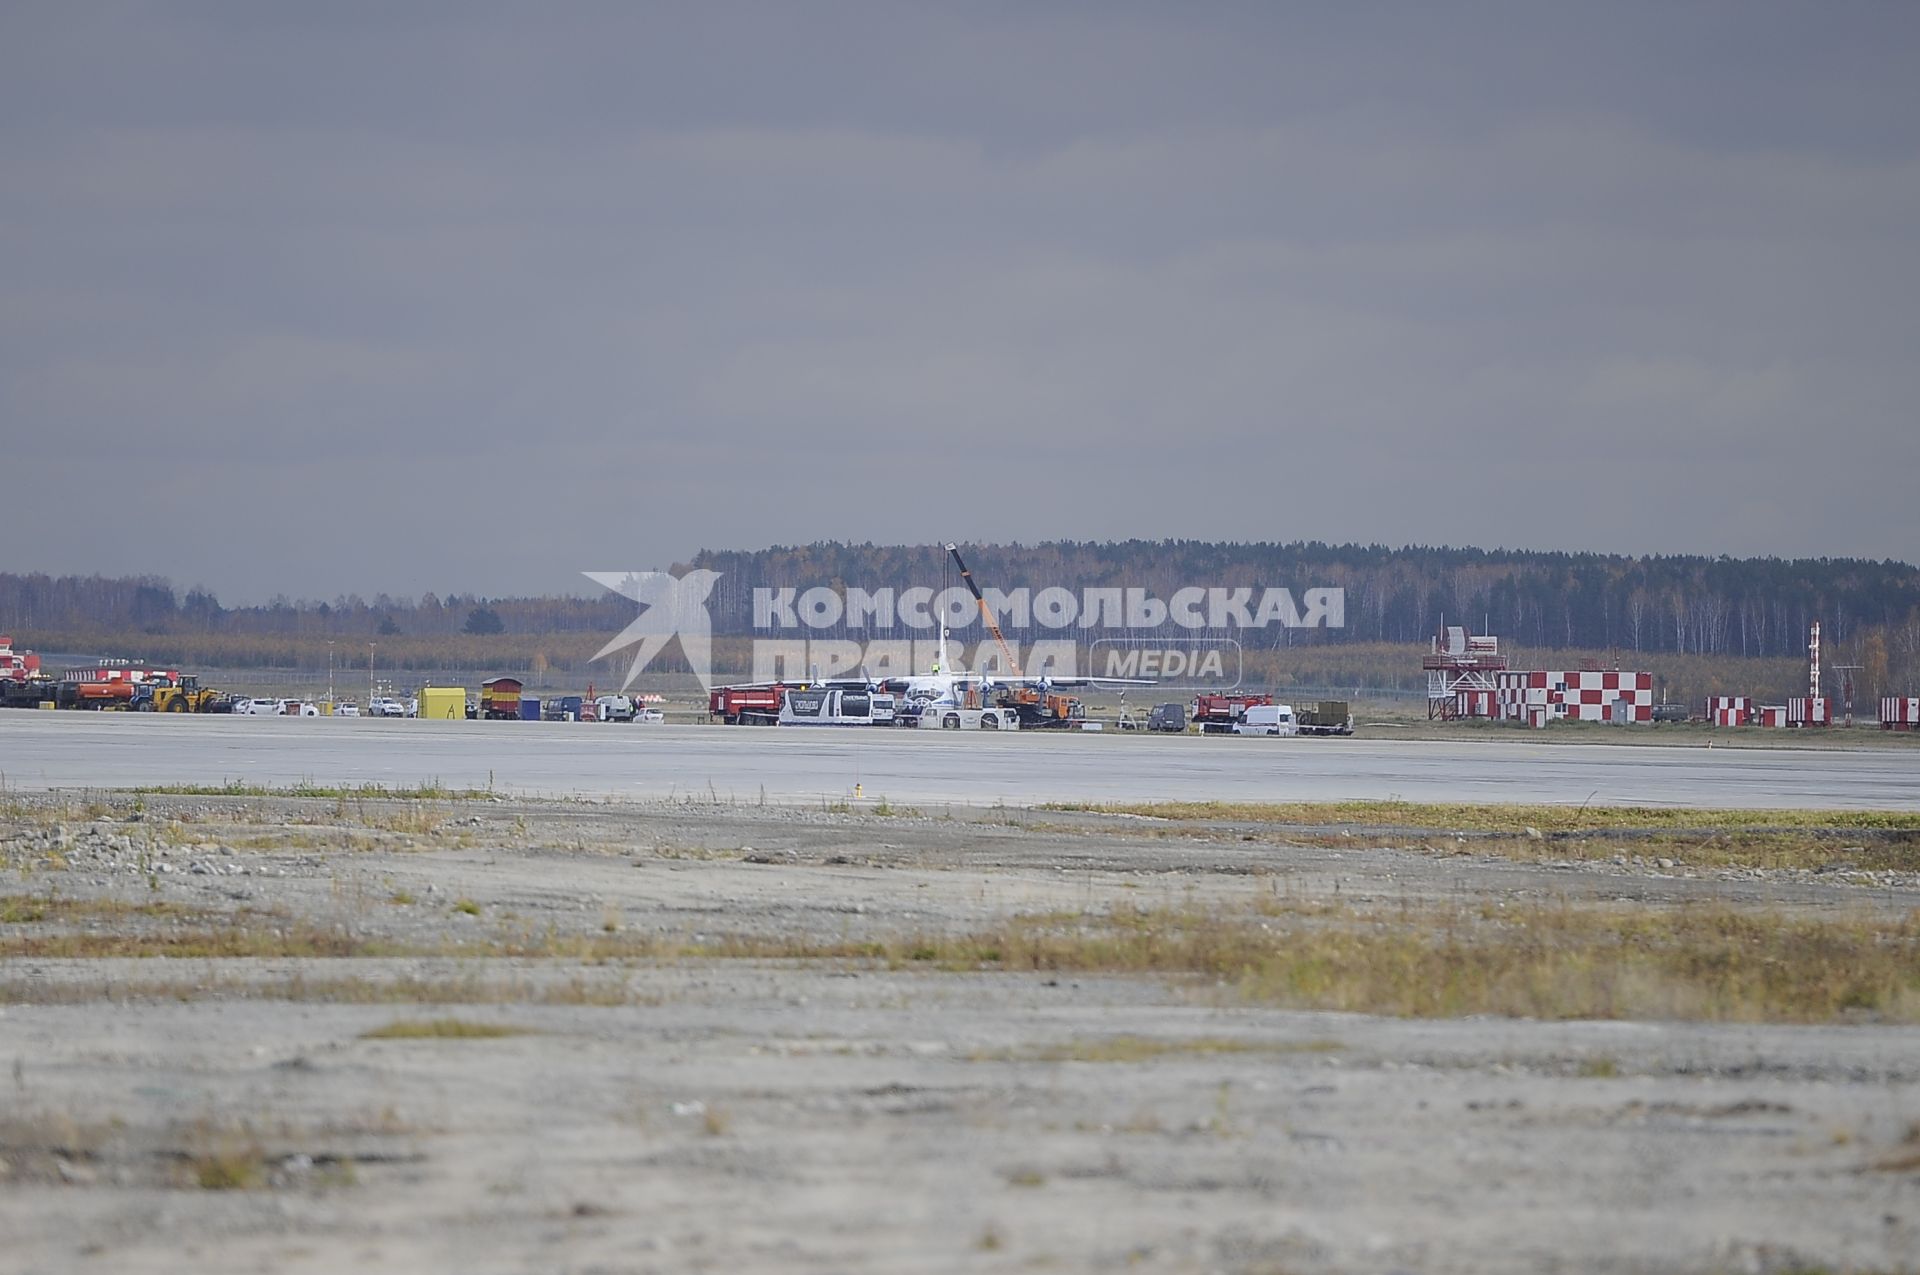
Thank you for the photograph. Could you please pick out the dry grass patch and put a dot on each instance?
(1138, 1049)
(1904, 1158)
(34, 909)
(425, 790)
(1872, 840)
(470, 989)
(1703, 961)
(1513, 819)
(443, 1029)
(239, 937)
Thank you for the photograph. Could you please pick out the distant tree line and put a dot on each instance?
(1629, 606)
(1756, 607)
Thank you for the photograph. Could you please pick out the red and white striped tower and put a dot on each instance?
(1813, 662)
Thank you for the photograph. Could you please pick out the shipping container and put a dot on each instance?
(444, 703)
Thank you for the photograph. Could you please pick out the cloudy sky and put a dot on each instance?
(316, 298)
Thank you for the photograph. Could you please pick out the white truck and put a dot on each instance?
(1267, 719)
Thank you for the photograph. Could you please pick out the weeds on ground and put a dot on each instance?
(30, 909)
(425, 790)
(1864, 840)
(1513, 819)
(442, 1029)
(1703, 961)
(1138, 1049)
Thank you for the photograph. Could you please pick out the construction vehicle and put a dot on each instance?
(183, 696)
(1034, 702)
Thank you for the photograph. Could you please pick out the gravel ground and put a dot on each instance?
(749, 1115)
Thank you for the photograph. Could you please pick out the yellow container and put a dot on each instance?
(444, 703)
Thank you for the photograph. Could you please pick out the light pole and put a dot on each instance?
(329, 674)
(370, 646)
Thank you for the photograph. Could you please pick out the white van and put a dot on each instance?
(614, 708)
(1268, 719)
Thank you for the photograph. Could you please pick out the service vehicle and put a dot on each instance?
(560, 708)
(1267, 719)
(854, 704)
(751, 705)
(1328, 717)
(1217, 714)
(613, 708)
(1171, 718)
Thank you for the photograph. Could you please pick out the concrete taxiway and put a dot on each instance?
(742, 764)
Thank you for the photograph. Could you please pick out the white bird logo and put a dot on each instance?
(674, 608)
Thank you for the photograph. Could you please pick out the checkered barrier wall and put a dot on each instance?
(1575, 695)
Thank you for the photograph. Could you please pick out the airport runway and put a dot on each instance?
(741, 764)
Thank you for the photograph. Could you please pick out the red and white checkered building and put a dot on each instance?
(1729, 710)
(1900, 712)
(1537, 697)
(1774, 715)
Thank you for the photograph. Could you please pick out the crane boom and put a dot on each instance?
(986, 614)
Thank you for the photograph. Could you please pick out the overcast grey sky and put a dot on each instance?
(325, 297)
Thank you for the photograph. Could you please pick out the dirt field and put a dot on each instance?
(327, 1034)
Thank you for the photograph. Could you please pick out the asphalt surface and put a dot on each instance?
(741, 764)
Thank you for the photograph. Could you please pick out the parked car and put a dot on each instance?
(1171, 718)
(386, 706)
(1267, 719)
(346, 710)
(655, 715)
(299, 708)
(257, 707)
